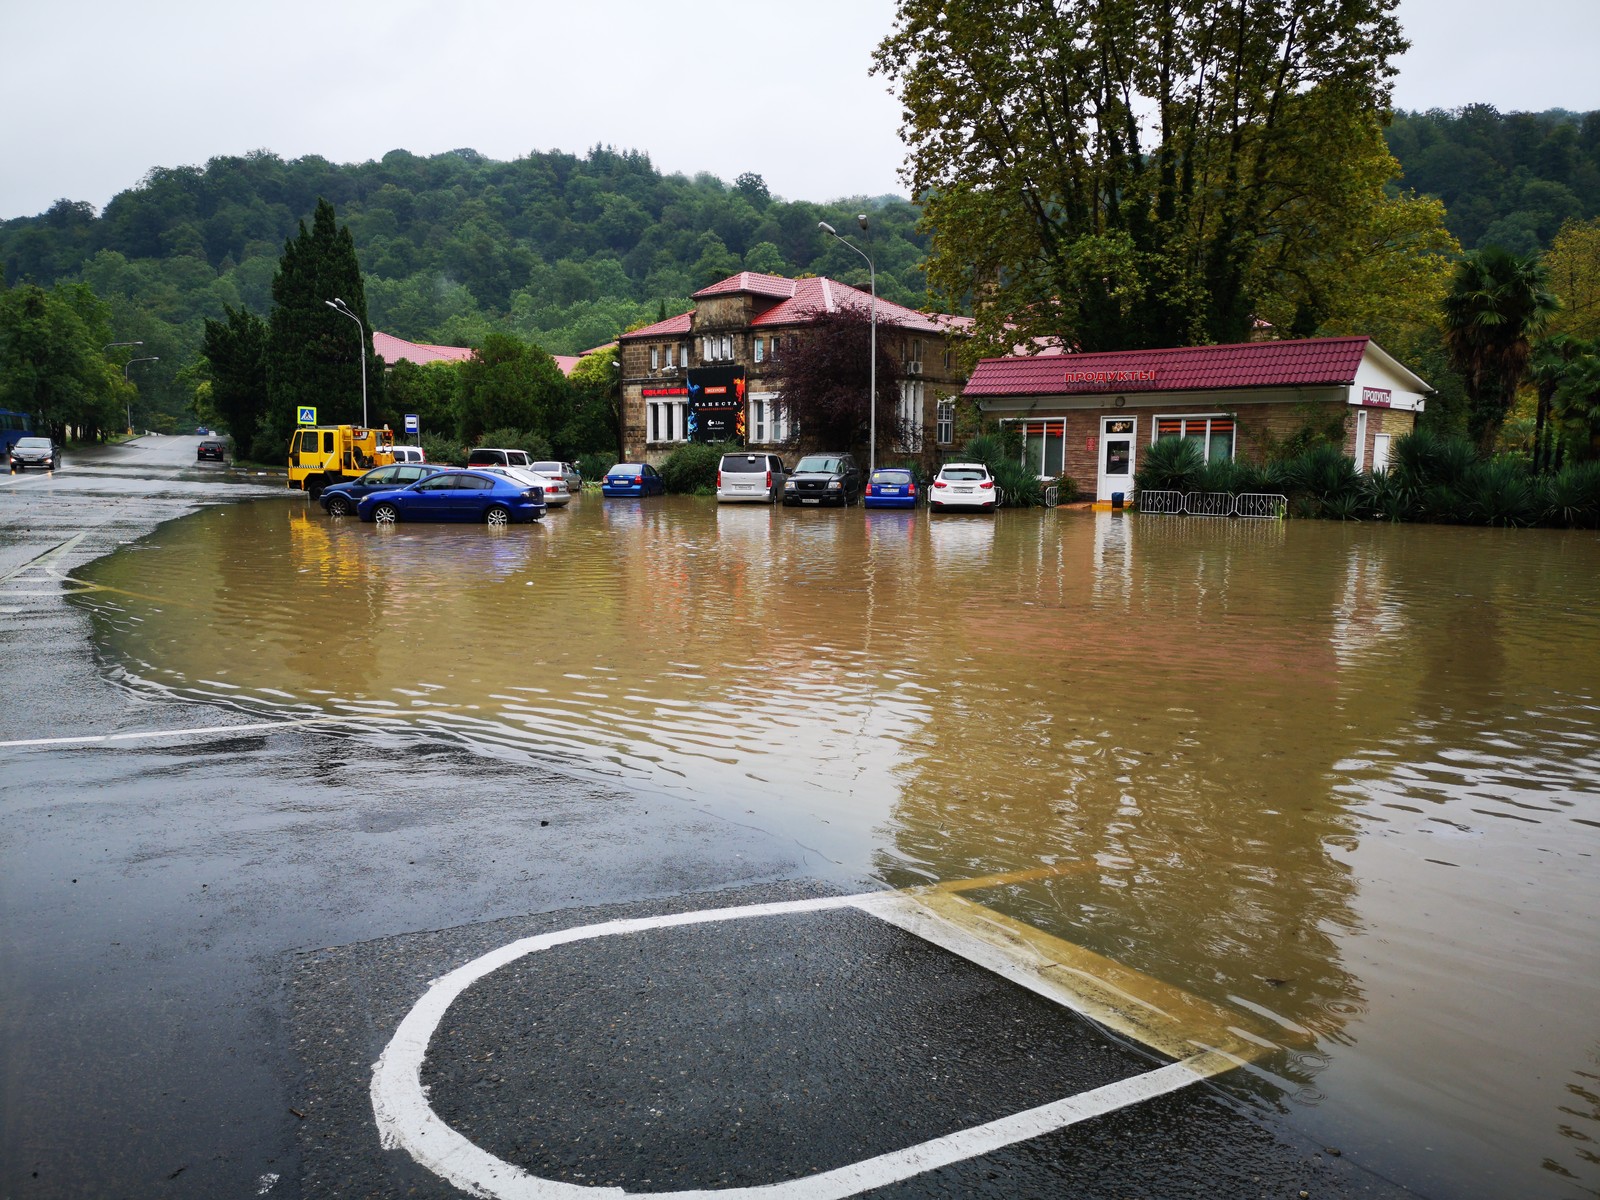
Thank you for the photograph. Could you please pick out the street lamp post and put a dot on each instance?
(339, 306)
(872, 370)
(113, 345)
(125, 379)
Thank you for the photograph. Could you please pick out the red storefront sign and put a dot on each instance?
(1375, 397)
(1092, 443)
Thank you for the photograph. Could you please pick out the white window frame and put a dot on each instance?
(668, 421)
(655, 358)
(909, 412)
(757, 346)
(1202, 419)
(945, 423)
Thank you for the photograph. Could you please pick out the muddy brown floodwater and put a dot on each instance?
(1344, 779)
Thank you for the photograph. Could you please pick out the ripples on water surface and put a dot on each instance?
(1343, 778)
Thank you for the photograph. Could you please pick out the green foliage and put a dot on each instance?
(51, 360)
(594, 465)
(1001, 453)
(1508, 179)
(1171, 464)
(235, 353)
(1315, 426)
(1572, 496)
(314, 355)
(1500, 492)
(1324, 482)
(507, 438)
(691, 468)
(1095, 185)
(445, 450)
(509, 383)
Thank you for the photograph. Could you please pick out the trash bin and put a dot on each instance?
(1117, 498)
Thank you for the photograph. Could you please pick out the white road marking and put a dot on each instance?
(204, 731)
(407, 1121)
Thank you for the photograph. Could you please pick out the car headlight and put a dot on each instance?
(835, 483)
(788, 485)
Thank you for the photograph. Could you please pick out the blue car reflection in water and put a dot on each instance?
(456, 496)
(632, 479)
(890, 487)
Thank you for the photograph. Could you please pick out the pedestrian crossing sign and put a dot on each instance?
(308, 415)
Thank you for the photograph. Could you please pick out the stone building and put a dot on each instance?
(1086, 416)
(711, 373)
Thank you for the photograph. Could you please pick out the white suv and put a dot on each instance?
(963, 485)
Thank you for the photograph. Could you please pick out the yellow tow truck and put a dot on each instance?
(320, 455)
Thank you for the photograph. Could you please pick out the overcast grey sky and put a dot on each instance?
(96, 93)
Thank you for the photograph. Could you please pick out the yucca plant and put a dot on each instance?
(1020, 487)
(1325, 476)
(1500, 493)
(1572, 496)
(1170, 464)
(1388, 496)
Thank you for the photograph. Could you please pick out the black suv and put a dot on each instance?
(823, 479)
(215, 448)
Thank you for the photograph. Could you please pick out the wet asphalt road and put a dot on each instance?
(209, 937)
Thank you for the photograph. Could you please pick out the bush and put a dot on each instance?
(445, 451)
(691, 469)
(1572, 496)
(1327, 481)
(1388, 496)
(1019, 486)
(1170, 465)
(1500, 493)
(593, 466)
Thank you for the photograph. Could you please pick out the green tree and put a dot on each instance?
(827, 373)
(1496, 304)
(432, 392)
(235, 349)
(314, 354)
(1123, 174)
(52, 363)
(596, 424)
(508, 384)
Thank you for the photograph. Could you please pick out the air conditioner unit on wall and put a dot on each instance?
(914, 367)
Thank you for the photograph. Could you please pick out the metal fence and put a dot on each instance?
(1249, 505)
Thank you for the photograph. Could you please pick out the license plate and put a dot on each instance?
(964, 491)
(811, 500)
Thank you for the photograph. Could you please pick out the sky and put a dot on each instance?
(97, 93)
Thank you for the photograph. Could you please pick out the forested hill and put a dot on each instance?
(1507, 179)
(562, 250)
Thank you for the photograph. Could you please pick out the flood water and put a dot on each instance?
(1344, 779)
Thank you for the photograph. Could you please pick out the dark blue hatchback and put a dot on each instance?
(632, 479)
(456, 496)
(890, 487)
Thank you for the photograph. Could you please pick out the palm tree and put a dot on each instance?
(1551, 364)
(1496, 303)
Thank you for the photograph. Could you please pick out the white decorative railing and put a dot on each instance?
(1247, 505)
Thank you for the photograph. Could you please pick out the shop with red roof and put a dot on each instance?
(1088, 416)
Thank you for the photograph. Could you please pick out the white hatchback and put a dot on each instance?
(963, 485)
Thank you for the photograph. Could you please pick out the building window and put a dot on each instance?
(670, 348)
(727, 347)
(667, 420)
(756, 348)
(1214, 434)
(909, 413)
(945, 431)
(766, 420)
(655, 357)
(914, 357)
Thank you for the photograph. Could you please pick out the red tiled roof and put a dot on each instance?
(392, 350)
(1305, 363)
(776, 286)
(671, 327)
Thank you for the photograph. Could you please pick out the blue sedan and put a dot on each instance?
(456, 496)
(632, 479)
(890, 487)
(340, 499)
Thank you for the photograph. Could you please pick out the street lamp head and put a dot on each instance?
(861, 220)
(826, 228)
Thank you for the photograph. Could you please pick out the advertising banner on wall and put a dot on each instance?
(716, 404)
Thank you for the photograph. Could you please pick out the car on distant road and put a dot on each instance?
(890, 487)
(750, 475)
(633, 479)
(823, 479)
(455, 496)
(963, 485)
(567, 471)
(342, 499)
(35, 452)
(556, 494)
(213, 448)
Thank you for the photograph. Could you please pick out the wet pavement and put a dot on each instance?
(225, 890)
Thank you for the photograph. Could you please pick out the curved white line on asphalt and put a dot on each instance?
(407, 1121)
(134, 735)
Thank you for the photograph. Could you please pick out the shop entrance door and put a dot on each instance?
(1117, 442)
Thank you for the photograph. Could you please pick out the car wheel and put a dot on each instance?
(340, 507)
(496, 516)
(386, 514)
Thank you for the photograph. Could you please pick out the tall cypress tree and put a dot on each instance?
(314, 353)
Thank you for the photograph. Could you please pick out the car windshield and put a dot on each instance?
(891, 477)
(33, 443)
(964, 473)
(818, 462)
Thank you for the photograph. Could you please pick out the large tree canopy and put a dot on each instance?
(1132, 173)
(52, 360)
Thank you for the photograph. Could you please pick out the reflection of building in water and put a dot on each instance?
(1172, 749)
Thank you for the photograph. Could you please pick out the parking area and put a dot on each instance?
(776, 1042)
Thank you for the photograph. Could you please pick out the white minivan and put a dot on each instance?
(408, 454)
(750, 475)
